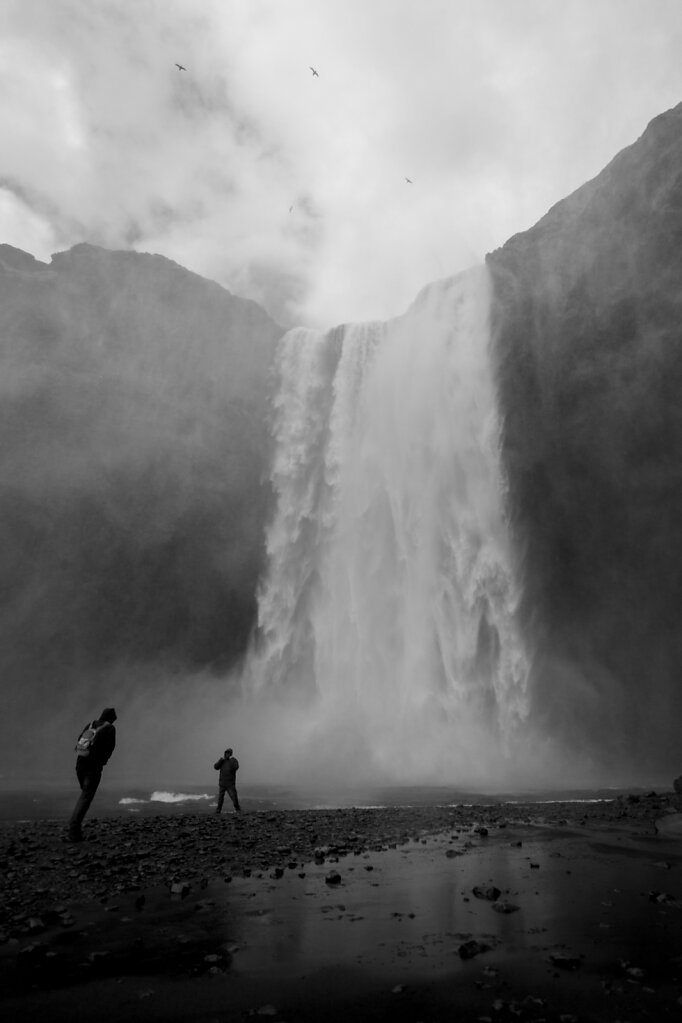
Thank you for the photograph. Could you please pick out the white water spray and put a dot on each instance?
(388, 648)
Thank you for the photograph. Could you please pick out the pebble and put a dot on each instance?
(564, 962)
(491, 893)
(180, 889)
(505, 907)
(472, 948)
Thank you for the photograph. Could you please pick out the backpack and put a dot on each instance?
(87, 740)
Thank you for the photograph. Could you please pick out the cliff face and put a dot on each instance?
(133, 410)
(588, 337)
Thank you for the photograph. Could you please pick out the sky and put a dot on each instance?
(291, 188)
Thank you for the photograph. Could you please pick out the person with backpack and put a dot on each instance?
(95, 745)
(227, 781)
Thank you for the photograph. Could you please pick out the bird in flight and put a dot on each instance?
(180, 67)
(315, 74)
(409, 181)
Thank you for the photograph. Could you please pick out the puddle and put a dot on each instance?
(416, 907)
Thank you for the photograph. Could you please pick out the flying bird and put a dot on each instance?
(180, 67)
(315, 74)
(409, 181)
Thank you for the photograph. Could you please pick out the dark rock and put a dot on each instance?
(491, 893)
(203, 905)
(52, 914)
(661, 897)
(565, 962)
(95, 958)
(472, 948)
(32, 952)
(505, 907)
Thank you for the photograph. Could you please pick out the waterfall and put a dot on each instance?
(388, 645)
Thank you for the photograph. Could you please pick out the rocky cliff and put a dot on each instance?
(588, 337)
(134, 407)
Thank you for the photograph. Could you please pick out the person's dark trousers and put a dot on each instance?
(232, 793)
(89, 777)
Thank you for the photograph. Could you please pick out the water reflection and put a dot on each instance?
(409, 913)
(414, 904)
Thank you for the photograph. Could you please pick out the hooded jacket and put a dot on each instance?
(228, 767)
(105, 742)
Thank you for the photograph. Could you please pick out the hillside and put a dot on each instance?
(134, 410)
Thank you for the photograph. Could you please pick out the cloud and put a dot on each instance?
(290, 188)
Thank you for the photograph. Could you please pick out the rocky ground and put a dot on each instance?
(160, 897)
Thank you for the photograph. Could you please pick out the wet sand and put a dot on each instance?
(559, 912)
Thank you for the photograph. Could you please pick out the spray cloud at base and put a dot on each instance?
(388, 646)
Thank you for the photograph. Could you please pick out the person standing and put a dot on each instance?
(95, 745)
(228, 766)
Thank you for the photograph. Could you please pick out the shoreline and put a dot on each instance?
(49, 799)
(194, 916)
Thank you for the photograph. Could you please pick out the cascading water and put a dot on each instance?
(388, 648)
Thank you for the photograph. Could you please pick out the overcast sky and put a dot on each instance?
(289, 188)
